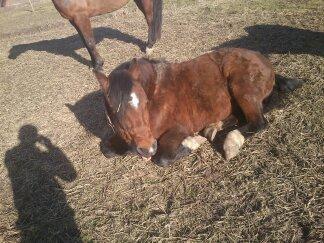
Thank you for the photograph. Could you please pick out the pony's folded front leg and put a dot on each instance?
(112, 145)
(169, 146)
(175, 144)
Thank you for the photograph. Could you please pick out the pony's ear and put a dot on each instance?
(134, 69)
(102, 78)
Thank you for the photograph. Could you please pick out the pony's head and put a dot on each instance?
(127, 107)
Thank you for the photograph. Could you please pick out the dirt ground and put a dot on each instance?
(56, 185)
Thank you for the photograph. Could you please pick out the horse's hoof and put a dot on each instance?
(149, 51)
(233, 142)
(193, 143)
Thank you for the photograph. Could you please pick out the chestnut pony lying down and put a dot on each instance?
(158, 107)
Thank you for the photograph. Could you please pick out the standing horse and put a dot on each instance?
(78, 12)
(158, 107)
(3, 3)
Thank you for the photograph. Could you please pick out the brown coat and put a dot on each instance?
(178, 100)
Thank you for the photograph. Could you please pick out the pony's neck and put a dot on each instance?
(161, 100)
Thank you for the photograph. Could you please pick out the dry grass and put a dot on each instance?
(67, 191)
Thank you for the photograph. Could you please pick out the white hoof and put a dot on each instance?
(193, 143)
(233, 142)
(149, 51)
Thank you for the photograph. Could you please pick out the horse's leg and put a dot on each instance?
(211, 130)
(252, 110)
(83, 26)
(168, 146)
(152, 10)
(175, 144)
(112, 145)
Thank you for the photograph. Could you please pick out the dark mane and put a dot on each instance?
(155, 60)
(120, 87)
(160, 67)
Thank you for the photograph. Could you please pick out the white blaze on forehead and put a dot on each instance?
(134, 100)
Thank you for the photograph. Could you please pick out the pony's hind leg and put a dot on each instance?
(152, 10)
(168, 146)
(211, 130)
(255, 122)
(83, 26)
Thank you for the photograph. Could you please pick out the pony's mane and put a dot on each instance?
(155, 60)
(160, 66)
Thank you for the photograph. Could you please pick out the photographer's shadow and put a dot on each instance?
(34, 165)
(279, 39)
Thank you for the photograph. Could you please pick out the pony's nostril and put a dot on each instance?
(143, 152)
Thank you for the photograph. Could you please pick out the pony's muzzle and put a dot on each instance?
(148, 152)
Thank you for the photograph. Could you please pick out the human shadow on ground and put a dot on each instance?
(279, 39)
(34, 165)
(68, 45)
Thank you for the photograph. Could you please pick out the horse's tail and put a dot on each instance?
(157, 19)
(287, 84)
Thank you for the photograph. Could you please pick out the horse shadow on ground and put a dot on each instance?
(279, 39)
(68, 45)
(90, 113)
(34, 165)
